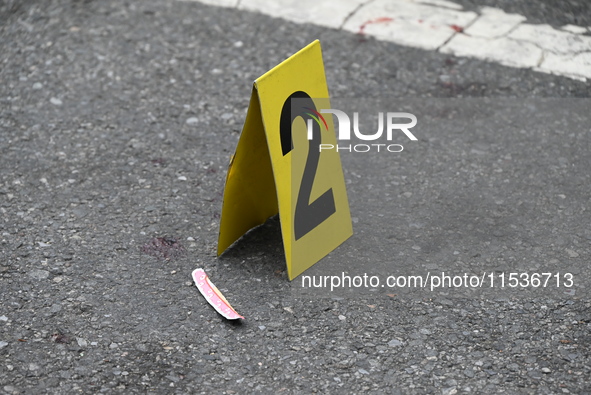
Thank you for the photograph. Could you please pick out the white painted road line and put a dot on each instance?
(325, 13)
(409, 23)
(441, 25)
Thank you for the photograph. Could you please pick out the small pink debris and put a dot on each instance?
(213, 295)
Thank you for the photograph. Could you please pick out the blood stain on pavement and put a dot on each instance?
(163, 247)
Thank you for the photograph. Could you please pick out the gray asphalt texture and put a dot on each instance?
(117, 121)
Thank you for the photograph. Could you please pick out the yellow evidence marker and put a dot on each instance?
(278, 166)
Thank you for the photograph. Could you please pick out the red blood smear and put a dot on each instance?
(163, 247)
(457, 28)
(384, 19)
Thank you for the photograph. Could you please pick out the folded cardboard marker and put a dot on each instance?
(279, 168)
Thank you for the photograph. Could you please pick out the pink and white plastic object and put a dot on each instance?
(213, 295)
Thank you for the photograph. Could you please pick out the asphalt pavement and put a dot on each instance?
(117, 123)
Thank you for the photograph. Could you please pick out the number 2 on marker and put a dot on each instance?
(308, 215)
